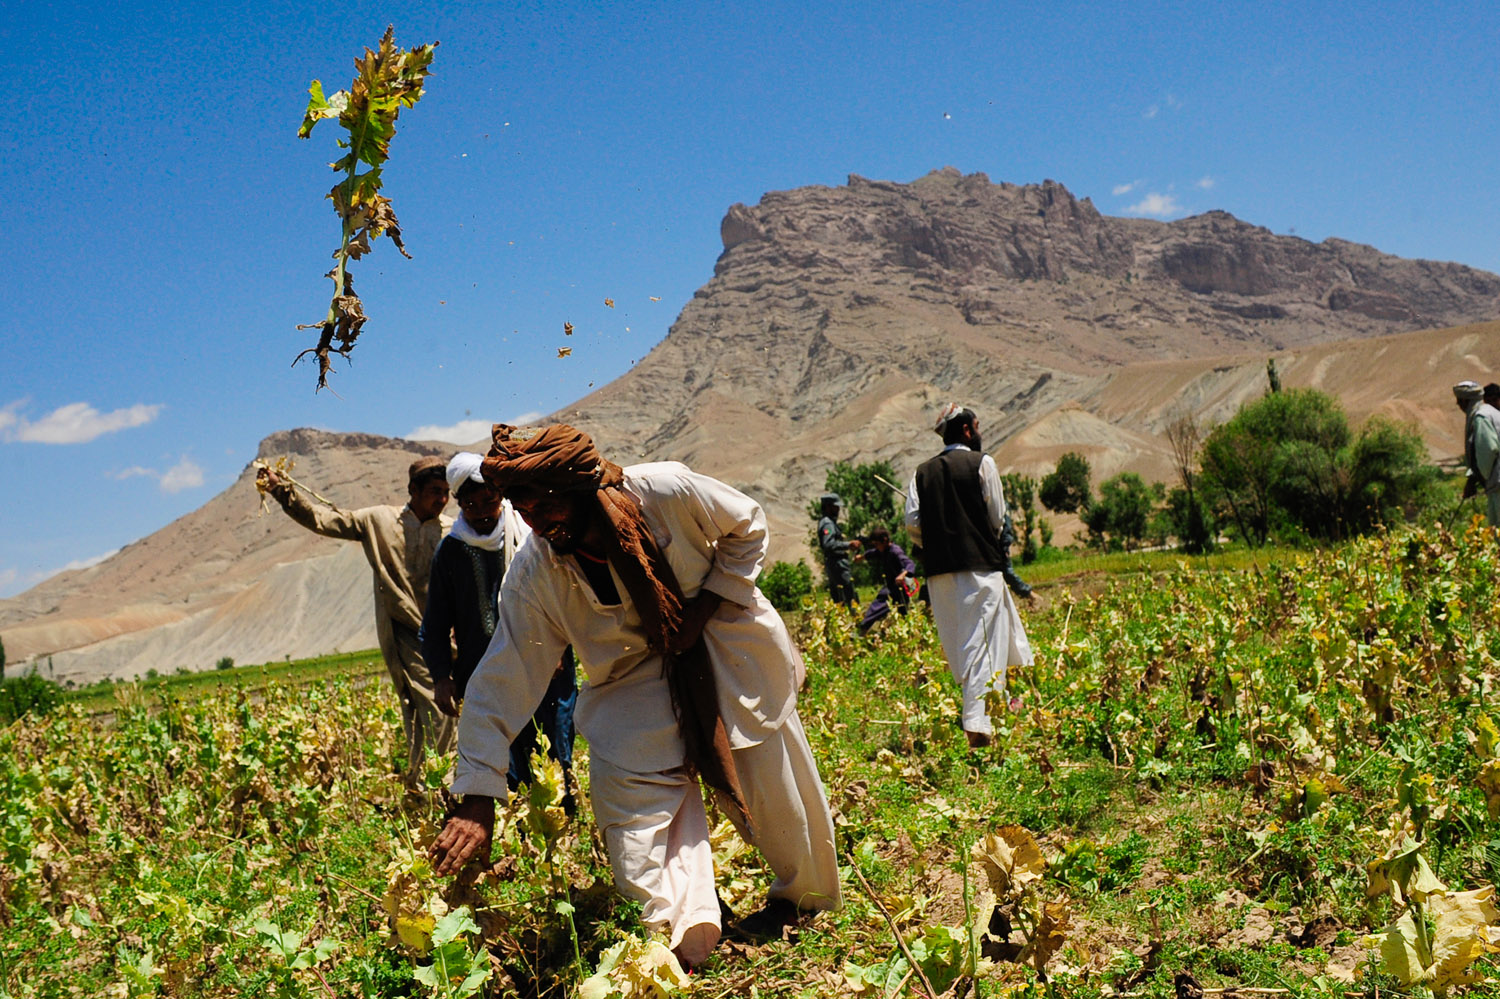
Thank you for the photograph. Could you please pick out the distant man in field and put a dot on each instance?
(399, 543)
(835, 548)
(955, 509)
(1481, 446)
(463, 607)
(649, 573)
(897, 572)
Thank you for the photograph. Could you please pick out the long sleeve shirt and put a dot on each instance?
(1482, 445)
(398, 546)
(892, 562)
(714, 538)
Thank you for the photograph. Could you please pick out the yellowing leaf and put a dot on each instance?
(1011, 859)
(415, 930)
(609, 302)
(1404, 873)
(1486, 737)
(1489, 782)
(1461, 936)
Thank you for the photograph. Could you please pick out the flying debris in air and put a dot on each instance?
(656, 298)
(564, 351)
(947, 116)
(567, 329)
(609, 302)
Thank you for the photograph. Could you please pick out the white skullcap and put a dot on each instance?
(464, 467)
(950, 411)
(1467, 391)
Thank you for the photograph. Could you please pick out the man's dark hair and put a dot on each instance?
(1492, 393)
(419, 477)
(880, 534)
(953, 430)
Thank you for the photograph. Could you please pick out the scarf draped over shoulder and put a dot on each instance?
(562, 459)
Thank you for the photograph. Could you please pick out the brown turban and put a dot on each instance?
(561, 459)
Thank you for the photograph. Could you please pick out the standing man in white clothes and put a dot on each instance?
(955, 509)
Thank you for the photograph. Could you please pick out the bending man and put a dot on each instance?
(649, 573)
(955, 509)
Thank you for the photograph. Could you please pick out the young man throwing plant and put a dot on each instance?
(955, 509)
(463, 606)
(649, 573)
(399, 543)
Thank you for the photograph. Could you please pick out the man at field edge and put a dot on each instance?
(399, 543)
(955, 509)
(649, 573)
(1481, 446)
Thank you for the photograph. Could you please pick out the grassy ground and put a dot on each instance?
(193, 686)
(1206, 762)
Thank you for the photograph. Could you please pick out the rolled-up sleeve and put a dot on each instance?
(737, 525)
(913, 515)
(993, 491)
(507, 685)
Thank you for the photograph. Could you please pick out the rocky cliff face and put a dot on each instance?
(838, 317)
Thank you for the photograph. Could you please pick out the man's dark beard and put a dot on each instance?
(977, 443)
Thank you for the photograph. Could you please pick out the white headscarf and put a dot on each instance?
(509, 531)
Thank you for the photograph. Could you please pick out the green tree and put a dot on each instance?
(786, 583)
(1065, 489)
(1121, 515)
(1289, 463)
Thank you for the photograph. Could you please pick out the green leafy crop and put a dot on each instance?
(385, 81)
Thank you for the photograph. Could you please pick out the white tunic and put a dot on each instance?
(976, 616)
(714, 537)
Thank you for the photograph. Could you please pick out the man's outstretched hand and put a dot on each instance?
(465, 834)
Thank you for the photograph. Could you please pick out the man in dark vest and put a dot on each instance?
(955, 509)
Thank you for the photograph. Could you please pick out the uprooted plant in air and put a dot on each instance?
(385, 81)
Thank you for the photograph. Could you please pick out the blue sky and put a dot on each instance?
(164, 229)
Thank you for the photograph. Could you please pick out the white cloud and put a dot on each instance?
(1120, 189)
(462, 432)
(525, 418)
(75, 423)
(132, 472)
(184, 475)
(1160, 205)
(1205, 183)
(1151, 112)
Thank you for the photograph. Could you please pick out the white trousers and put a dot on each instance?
(656, 831)
(981, 634)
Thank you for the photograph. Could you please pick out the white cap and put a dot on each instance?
(464, 467)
